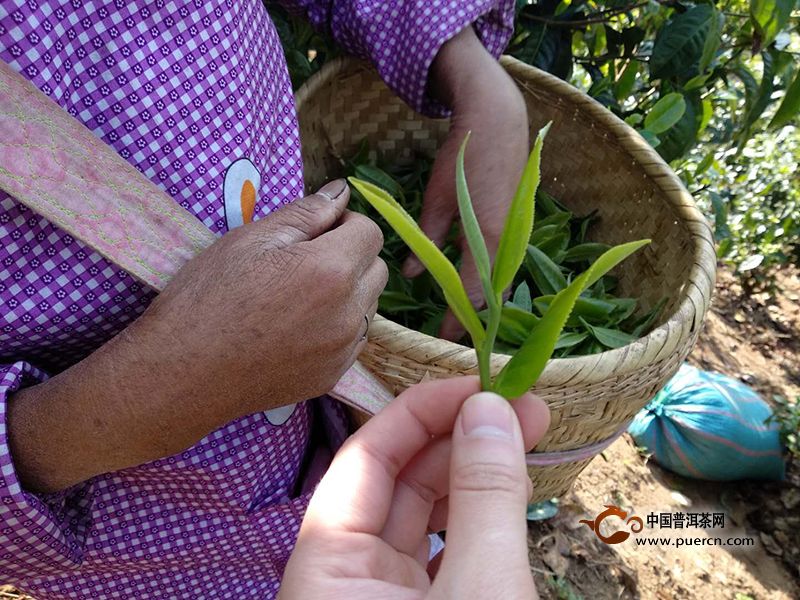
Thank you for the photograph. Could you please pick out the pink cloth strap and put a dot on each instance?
(55, 166)
(548, 459)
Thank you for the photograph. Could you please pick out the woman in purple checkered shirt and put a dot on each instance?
(162, 447)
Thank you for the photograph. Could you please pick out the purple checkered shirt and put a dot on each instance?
(188, 92)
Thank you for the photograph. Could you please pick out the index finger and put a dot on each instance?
(356, 492)
(357, 232)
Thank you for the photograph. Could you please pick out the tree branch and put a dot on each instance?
(599, 17)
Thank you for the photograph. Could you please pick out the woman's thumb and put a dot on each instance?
(487, 551)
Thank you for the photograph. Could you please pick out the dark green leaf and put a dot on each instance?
(683, 135)
(583, 225)
(749, 82)
(651, 138)
(522, 297)
(587, 251)
(391, 301)
(679, 44)
(592, 309)
(570, 340)
(524, 368)
(432, 324)
(548, 204)
(559, 219)
(610, 338)
(643, 325)
(380, 178)
(555, 246)
(627, 79)
(546, 274)
(721, 229)
(515, 324)
(764, 96)
(696, 82)
(724, 247)
(623, 307)
(541, 234)
(713, 39)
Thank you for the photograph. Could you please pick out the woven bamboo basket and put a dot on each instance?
(591, 160)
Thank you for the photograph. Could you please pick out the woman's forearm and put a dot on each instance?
(113, 410)
(233, 333)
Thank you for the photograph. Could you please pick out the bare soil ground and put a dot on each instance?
(756, 338)
(751, 336)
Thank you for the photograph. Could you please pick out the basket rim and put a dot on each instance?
(681, 325)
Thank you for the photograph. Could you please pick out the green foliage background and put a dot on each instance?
(714, 87)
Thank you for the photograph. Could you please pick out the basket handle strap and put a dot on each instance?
(55, 166)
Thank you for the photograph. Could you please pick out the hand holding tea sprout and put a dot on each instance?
(440, 456)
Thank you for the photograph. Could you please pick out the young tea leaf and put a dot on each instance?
(549, 205)
(643, 325)
(587, 251)
(611, 338)
(546, 274)
(569, 340)
(522, 297)
(592, 309)
(560, 219)
(519, 222)
(515, 324)
(472, 231)
(437, 264)
(524, 368)
(555, 247)
(542, 234)
(380, 178)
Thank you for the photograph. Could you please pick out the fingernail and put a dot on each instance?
(487, 415)
(333, 189)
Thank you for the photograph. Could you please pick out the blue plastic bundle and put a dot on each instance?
(710, 426)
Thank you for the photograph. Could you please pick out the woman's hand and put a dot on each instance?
(484, 100)
(275, 311)
(272, 313)
(440, 456)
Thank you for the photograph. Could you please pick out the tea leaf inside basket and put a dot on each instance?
(524, 368)
(595, 319)
(434, 260)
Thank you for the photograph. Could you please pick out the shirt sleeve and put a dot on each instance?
(402, 38)
(39, 534)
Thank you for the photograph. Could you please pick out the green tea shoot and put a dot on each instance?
(571, 311)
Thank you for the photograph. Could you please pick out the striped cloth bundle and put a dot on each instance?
(709, 426)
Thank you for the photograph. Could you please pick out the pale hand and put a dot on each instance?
(439, 456)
